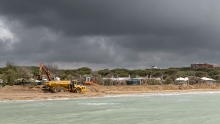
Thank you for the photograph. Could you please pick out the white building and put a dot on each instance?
(208, 80)
(182, 80)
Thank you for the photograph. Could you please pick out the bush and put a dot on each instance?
(168, 80)
(4, 84)
(153, 82)
(108, 82)
(123, 82)
(34, 83)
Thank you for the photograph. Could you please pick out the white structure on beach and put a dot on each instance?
(182, 80)
(208, 80)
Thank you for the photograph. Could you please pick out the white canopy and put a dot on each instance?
(182, 79)
(207, 79)
(37, 81)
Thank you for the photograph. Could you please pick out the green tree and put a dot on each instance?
(181, 74)
(158, 74)
(186, 69)
(35, 70)
(84, 71)
(123, 75)
(201, 74)
(168, 80)
(202, 69)
(171, 71)
(214, 74)
(140, 72)
(104, 72)
(120, 72)
(10, 75)
(191, 73)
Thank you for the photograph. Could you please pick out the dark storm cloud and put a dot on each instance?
(110, 34)
(103, 17)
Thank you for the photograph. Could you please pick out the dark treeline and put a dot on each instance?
(10, 73)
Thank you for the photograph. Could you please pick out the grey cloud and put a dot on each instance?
(110, 34)
(104, 17)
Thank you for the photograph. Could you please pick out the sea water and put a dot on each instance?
(158, 108)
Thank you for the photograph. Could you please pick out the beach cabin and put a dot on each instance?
(118, 80)
(182, 80)
(134, 81)
(208, 80)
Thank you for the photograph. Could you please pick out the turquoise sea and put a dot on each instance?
(169, 108)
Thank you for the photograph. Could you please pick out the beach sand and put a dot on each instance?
(37, 93)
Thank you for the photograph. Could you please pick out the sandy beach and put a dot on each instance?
(37, 93)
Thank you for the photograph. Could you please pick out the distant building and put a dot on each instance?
(202, 65)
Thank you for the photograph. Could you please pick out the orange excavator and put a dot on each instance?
(88, 81)
(44, 68)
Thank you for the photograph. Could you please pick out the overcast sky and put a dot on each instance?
(100, 34)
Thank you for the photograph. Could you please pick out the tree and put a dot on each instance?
(84, 70)
(202, 69)
(158, 74)
(214, 74)
(181, 74)
(123, 75)
(70, 74)
(171, 71)
(24, 72)
(2, 70)
(104, 72)
(201, 74)
(120, 72)
(34, 70)
(140, 72)
(194, 80)
(10, 75)
(54, 70)
(168, 80)
(96, 76)
(191, 73)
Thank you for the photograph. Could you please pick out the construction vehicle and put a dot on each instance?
(44, 68)
(59, 86)
(88, 81)
(62, 86)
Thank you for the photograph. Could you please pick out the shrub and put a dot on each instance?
(108, 82)
(153, 82)
(168, 80)
(33, 83)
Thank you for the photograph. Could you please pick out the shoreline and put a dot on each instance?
(68, 96)
(28, 93)
(173, 92)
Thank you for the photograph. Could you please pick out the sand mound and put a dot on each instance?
(118, 88)
(21, 88)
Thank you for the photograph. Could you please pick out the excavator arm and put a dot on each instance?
(44, 68)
